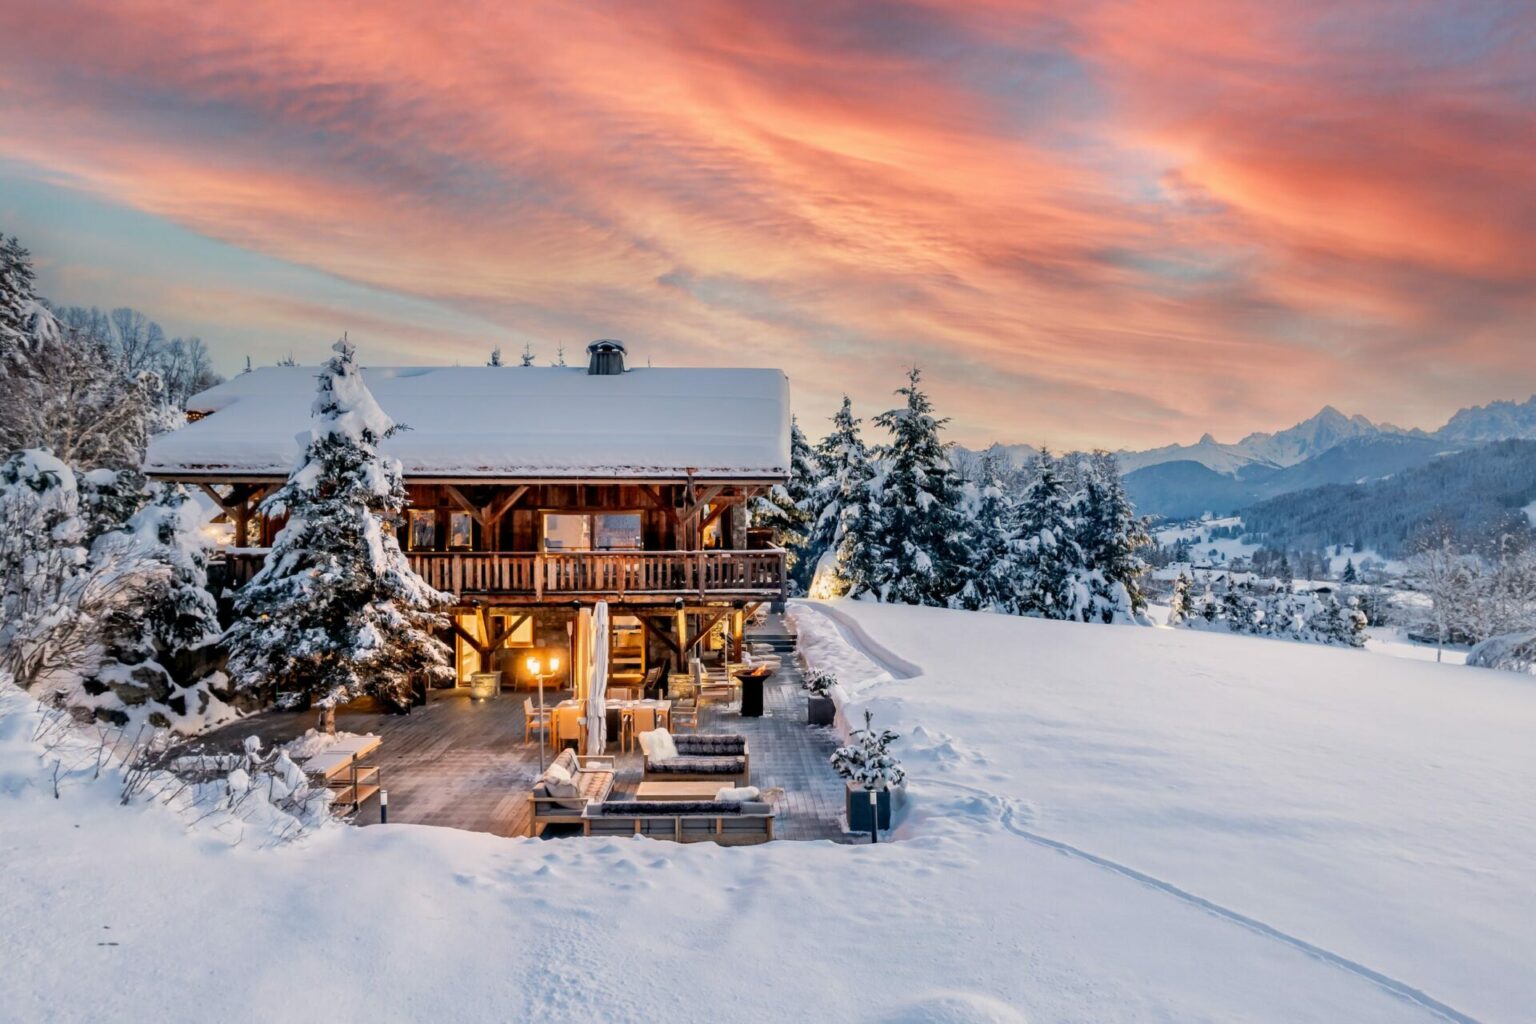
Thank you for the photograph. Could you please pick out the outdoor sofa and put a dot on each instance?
(726, 822)
(700, 758)
(567, 786)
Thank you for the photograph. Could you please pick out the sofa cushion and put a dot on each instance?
(663, 808)
(567, 760)
(711, 746)
(698, 766)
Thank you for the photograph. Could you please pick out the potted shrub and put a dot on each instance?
(819, 709)
(866, 766)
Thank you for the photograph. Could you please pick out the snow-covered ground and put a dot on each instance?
(1393, 641)
(1105, 824)
(1376, 808)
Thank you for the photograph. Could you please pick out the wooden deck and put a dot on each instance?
(463, 764)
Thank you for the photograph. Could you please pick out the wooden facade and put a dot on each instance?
(687, 574)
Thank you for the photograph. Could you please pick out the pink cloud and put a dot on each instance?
(1128, 223)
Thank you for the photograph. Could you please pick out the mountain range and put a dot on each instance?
(1184, 480)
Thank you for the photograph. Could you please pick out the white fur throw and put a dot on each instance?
(739, 795)
(658, 745)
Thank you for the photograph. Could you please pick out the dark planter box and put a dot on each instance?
(858, 807)
(819, 710)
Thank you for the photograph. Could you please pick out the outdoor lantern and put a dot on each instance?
(533, 665)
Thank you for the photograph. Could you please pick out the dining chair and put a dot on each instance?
(534, 719)
(684, 712)
(637, 721)
(567, 726)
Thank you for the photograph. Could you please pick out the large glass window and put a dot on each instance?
(567, 532)
(617, 532)
(601, 531)
(422, 535)
(460, 530)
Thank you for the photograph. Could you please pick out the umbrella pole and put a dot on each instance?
(548, 725)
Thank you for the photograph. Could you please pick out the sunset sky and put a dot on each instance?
(1117, 223)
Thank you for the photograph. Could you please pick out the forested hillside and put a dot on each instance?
(1478, 493)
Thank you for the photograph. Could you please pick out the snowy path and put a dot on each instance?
(1203, 841)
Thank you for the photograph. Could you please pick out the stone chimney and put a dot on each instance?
(604, 357)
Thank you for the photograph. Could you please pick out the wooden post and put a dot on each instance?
(738, 631)
(682, 638)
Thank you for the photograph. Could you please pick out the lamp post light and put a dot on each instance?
(536, 669)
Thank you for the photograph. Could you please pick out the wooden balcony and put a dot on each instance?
(540, 576)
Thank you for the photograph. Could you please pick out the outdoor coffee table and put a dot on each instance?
(668, 791)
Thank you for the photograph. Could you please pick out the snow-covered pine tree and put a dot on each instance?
(57, 589)
(336, 612)
(158, 655)
(18, 295)
(1052, 572)
(787, 509)
(844, 536)
(1110, 537)
(922, 526)
(527, 356)
(64, 391)
(1180, 606)
(992, 571)
(495, 359)
(1351, 574)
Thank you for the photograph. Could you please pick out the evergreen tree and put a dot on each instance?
(1052, 570)
(158, 653)
(527, 356)
(495, 359)
(922, 526)
(18, 295)
(843, 537)
(991, 571)
(336, 611)
(786, 509)
(1351, 575)
(1109, 535)
(1179, 605)
(64, 391)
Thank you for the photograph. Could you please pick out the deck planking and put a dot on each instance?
(460, 763)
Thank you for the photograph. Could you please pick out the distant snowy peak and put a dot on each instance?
(1496, 421)
(1328, 429)
(1210, 453)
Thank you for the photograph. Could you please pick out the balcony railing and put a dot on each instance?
(547, 574)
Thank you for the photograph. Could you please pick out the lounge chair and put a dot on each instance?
(556, 801)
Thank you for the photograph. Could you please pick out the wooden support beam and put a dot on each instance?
(467, 637)
(652, 629)
(464, 503)
(499, 638)
(496, 509)
(715, 513)
(706, 627)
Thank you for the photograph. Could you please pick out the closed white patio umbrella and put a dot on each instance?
(597, 684)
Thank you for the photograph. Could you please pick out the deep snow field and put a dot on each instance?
(1104, 824)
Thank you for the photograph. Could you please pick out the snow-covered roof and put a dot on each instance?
(505, 422)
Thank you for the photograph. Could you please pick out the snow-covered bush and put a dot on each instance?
(1314, 617)
(1513, 652)
(56, 589)
(867, 761)
(820, 682)
(336, 611)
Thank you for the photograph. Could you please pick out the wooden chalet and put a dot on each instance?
(535, 491)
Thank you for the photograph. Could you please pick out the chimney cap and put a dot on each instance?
(607, 345)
